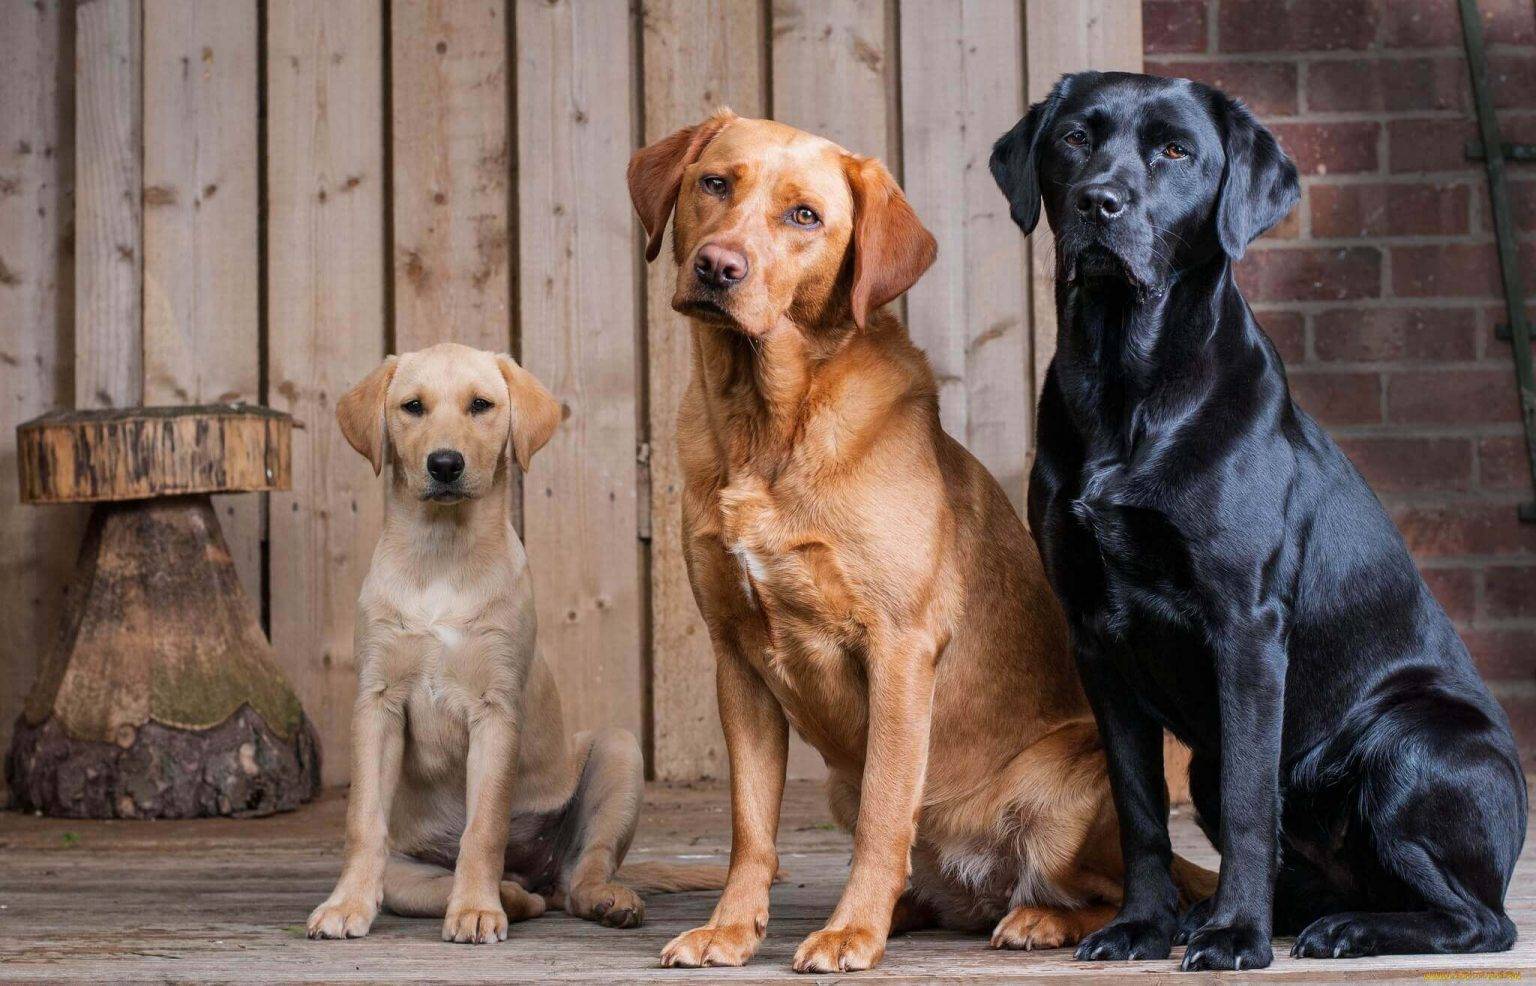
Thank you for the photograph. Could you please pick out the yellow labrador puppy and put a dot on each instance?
(466, 803)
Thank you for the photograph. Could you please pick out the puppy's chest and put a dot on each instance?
(439, 655)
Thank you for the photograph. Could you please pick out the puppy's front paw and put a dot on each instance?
(345, 917)
(847, 949)
(1238, 947)
(1121, 941)
(606, 903)
(1193, 920)
(712, 945)
(475, 924)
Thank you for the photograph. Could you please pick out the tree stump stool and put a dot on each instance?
(162, 698)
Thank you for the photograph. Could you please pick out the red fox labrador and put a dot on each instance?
(863, 577)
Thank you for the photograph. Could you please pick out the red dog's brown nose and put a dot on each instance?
(720, 266)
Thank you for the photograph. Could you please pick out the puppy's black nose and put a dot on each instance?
(1100, 200)
(720, 266)
(445, 465)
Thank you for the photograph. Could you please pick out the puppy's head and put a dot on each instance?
(1142, 176)
(449, 413)
(775, 224)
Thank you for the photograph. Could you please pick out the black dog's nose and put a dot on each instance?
(445, 465)
(1104, 200)
(720, 266)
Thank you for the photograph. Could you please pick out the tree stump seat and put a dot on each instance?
(163, 698)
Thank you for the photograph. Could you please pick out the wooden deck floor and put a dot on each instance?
(226, 900)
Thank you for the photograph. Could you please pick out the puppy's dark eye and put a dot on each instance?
(804, 216)
(1076, 138)
(414, 407)
(480, 405)
(714, 185)
(1176, 151)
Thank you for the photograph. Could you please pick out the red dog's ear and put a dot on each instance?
(656, 175)
(891, 248)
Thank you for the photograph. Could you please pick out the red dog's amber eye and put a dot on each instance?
(1076, 138)
(1175, 151)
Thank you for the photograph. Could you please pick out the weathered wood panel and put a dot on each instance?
(578, 292)
(109, 254)
(37, 546)
(201, 268)
(448, 68)
(834, 73)
(962, 83)
(698, 55)
(325, 301)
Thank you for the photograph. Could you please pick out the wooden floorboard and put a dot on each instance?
(224, 900)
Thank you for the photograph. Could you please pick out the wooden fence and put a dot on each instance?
(219, 200)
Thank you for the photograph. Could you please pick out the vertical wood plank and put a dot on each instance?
(449, 83)
(201, 334)
(325, 263)
(1064, 36)
(109, 255)
(698, 55)
(962, 83)
(578, 292)
(37, 545)
(834, 73)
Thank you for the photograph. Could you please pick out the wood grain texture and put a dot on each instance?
(201, 270)
(109, 254)
(834, 73)
(698, 55)
(325, 262)
(1064, 36)
(962, 83)
(578, 289)
(449, 84)
(36, 337)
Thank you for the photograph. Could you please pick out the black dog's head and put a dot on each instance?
(1143, 176)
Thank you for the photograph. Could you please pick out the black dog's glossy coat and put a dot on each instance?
(1228, 575)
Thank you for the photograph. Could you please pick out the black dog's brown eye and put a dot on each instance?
(713, 184)
(1076, 138)
(1175, 151)
(804, 216)
(480, 405)
(414, 407)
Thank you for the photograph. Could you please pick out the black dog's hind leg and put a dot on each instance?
(1205, 796)
(1250, 684)
(1133, 747)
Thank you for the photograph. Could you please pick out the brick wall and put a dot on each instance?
(1381, 290)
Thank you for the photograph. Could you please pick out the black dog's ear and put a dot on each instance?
(1259, 185)
(1015, 160)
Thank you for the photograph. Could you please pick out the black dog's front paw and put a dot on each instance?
(1126, 940)
(1336, 936)
(1194, 919)
(1239, 947)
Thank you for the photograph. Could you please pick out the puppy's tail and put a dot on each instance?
(1195, 883)
(670, 878)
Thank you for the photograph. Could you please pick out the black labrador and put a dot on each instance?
(1229, 576)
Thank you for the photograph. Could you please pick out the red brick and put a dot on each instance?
(1440, 145)
(1436, 23)
(1287, 330)
(1173, 25)
(1522, 205)
(1389, 210)
(1412, 465)
(1269, 88)
(1502, 461)
(1336, 399)
(1449, 529)
(1459, 270)
(1502, 653)
(1387, 84)
(1520, 705)
(1295, 25)
(1513, 79)
(1311, 274)
(1455, 589)
(1451, 397)
(1361, 334)
(1330, 148)
(1509, 592)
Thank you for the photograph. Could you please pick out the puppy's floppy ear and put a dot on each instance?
(656, 173)
(1015, 159)
(1259, 185)
(360, 412)
(534, 411)
(891, 247)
